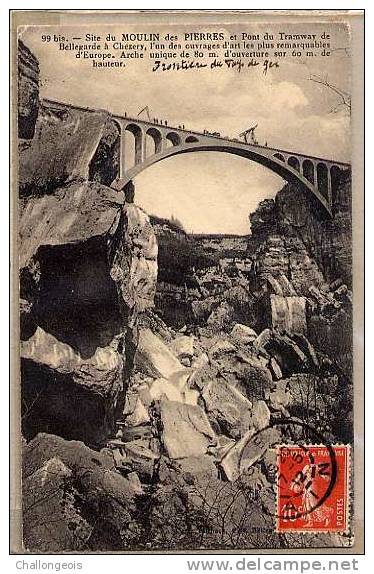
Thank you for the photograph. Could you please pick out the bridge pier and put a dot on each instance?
(315, 175)
(163, 142)
(139, 146)
(122, 152)
(329, 187)
(140, 149)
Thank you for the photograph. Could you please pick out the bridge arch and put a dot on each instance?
(191, 139)
(137, 132)
(335, 175)
(308, 170)
(304, 178)
(323, 178)
(155, 135)
(294, 162)
(279, 156)
(173, 138)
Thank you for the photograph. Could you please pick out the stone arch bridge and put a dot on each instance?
(155, 141)
(317, 176)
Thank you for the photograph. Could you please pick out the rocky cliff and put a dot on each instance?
(291, 239)
(28, 91)
(296, 239)
(88, 267)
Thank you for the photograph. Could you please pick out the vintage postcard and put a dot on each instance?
(187, 294)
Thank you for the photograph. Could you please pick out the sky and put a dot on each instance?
(210, 192)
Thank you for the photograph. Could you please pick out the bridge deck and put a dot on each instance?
(200, 134)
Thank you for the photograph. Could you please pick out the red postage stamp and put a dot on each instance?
(313, 488)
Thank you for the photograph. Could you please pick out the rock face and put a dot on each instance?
(28, 92)
(104, 165)
(246, 452)
(66, 487)
(295, 239)
(67, 135)
(68, 394)
(185, 429)
(154, 357)
(88, 268)
(288, 313)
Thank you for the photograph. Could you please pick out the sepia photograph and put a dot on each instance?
(185, 297)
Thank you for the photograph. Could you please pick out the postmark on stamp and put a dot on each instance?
(313, 488)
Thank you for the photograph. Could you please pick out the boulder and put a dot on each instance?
(180, 379)
(185, 429)
(294, 354)
(140, 458)
(154, 358)
(275, 369)
(163, 388)
(247, 451)
(280, 397)
(246, 372)
(221, 347)
(226, 405)
(202, 375)
(288, 289)
(220, 318)
(62, 148)
(191, 396)
(104, 165)
(72, 214)
(260, 416)
(273, 286)
(263, 339)
(88, 267)
(73, 499)
(194, 468)
(182, 346)
(136, 275)
(243, 333)
(135, 412)
(200, 361)
(134, 480)
(66, 393)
